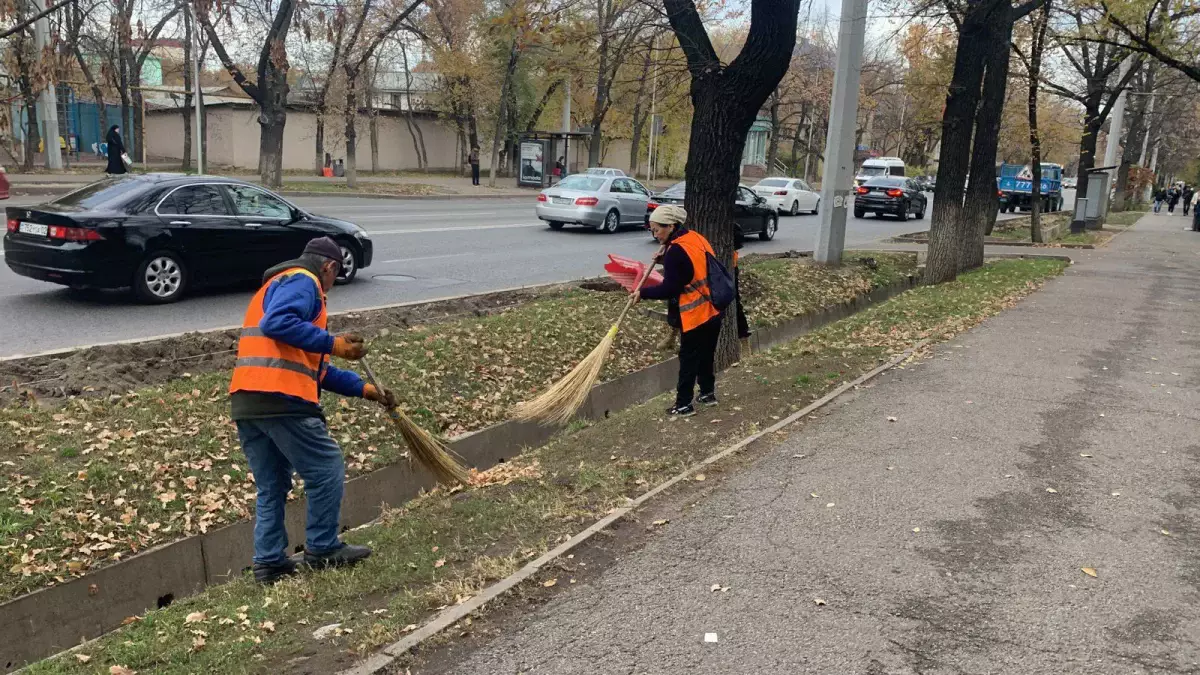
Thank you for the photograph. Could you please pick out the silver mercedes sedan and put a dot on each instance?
(605, 203)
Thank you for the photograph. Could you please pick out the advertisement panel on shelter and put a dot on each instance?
(533, 168)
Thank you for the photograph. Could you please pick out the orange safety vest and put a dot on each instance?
(695, 303)
(270, 366)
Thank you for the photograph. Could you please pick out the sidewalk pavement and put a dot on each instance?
(1058, 436)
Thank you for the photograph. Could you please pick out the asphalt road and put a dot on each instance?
(423, 250)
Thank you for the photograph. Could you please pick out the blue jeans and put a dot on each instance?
(274, 447)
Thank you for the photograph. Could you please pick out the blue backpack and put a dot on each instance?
(720, 284)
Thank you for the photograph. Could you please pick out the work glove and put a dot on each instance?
(349, 346)
(380, 395)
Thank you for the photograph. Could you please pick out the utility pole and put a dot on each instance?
(653, 116)
(1116, 125)
(199, 142)
(47, 111)
(839, 140)
(566, 127)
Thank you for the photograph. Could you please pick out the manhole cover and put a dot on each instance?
(393, 277)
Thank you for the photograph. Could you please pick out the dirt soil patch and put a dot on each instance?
(445, 546)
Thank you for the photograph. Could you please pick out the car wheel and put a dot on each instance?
(920, 214)
(816, 207)
(555, 225)
(349, 264)
(903, 214)
(859, 213)
(795, 209)
(161, 278)
(612, 222)
(769, 228)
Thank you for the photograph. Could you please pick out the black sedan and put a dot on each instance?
(163, 234)
(751, 213)
(894, 196)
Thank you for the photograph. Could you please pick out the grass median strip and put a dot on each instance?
(444, 547)
(93, 480)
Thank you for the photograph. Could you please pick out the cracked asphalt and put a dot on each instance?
(1057, 436)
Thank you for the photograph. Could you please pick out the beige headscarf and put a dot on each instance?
(668, 214)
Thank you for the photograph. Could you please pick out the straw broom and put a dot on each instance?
(558, 404)
(427, 450)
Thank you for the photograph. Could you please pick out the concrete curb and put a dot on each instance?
(49, 620)
(905, 239)
(448, 617)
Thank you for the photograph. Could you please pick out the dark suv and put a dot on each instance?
(891, 195)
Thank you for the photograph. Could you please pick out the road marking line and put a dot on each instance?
(426, 257)
(426, 230)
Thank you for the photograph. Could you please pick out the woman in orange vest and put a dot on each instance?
(282, 365)
(685, 288)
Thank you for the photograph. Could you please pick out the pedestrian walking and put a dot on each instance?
(1196, 211)
(689, 305)
(1188, 193)
(473, 159)
(282, 366)
(1160, 195)
(116, 151)
(1172, 199)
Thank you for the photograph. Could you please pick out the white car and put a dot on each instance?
(788, 195)
(605, 171)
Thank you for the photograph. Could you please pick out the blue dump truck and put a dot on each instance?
(1015, 183)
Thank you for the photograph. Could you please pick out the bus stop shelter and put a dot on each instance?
(539, 153)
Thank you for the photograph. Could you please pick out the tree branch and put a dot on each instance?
(235, 72)
(693, 37)
(386, 32)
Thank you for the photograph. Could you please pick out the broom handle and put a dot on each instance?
(646, 275)
(375, 383)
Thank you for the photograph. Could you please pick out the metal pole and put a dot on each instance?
(566, 127)
(839, 141)
(1117, 121)
(47, 105)
(199, 142)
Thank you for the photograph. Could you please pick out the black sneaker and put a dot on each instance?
(269, 573)
(681, 410)
(347, 555)
(707, 399)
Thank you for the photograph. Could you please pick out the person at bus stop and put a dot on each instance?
(689, 307)
(282, 366)
(473, 159)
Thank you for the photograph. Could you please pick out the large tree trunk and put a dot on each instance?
(981, 202)
(349, 116)
(188, 111)
(1087, 143)
(947, 222)
(502, 113)
(32, 133)
(374, 138)
(319, 143)
(1035, 141)
(713, 170)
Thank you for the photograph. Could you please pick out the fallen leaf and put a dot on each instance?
(1165, 532)
(1090, 571)
(121, 670)
(83, 658)
(829, 505)
(195, 617)
(1052, 491)
(197, 643)
(267, 602)
(664, 521)
(440, 562)
(710, 637)
(699, 477)
(268, 626)
(1116, 494)
(409, 628)
(892, 419)
(819, 602)
(549, 583)
(916, 529)
(1084, 454)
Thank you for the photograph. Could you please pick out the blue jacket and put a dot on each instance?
(290, 306)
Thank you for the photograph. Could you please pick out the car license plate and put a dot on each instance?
(34, 228)
(563, 200)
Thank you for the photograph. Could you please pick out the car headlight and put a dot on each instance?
(361, 234)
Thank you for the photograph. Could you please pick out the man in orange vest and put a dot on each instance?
(282, 366)
(689, 305)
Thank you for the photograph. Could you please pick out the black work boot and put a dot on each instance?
(269, 573)
(681, 410)
(347, 555)
(708, 399)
